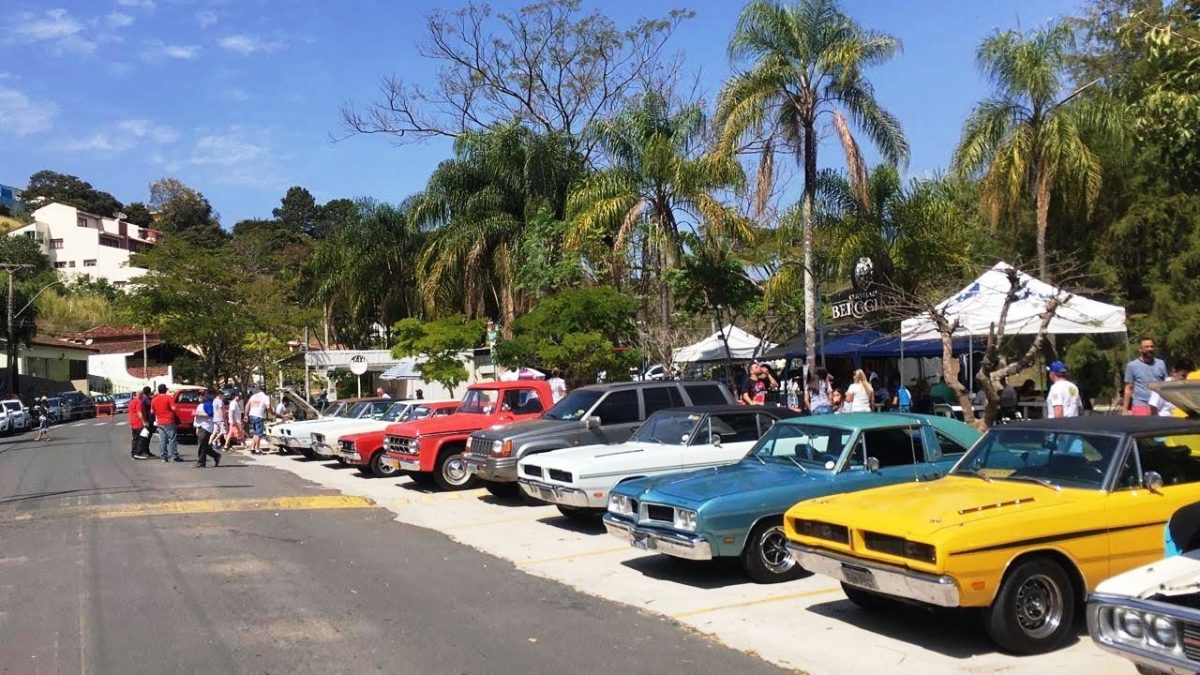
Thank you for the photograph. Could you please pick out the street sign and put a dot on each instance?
(358, 364)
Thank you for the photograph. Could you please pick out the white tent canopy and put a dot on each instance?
(978, 306)
(742, 346)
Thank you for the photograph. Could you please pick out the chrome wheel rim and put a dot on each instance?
(385, 469)
(773, 553)
(1039, 606)
(455, 471)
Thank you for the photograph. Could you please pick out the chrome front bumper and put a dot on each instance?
(555, 494)
(674, 544)
(1145, 653)
(494, 469)
(403, 464)
(350, 457)
(325, 450)
(930, 589)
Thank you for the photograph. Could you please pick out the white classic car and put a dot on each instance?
(297, 436)
(14, 416)
(325, 440)
(1151, 614)
(577, 480)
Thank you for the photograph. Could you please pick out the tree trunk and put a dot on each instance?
(810, 291)
(1042, 205)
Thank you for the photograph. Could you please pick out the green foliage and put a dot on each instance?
(442, 343)
(185, 213)
(298, 212)
(365, 273)
(1094, 366)
(580, 331)
(25, 251)
(543, 265)
(84, 284)
(52, 186)
(138, 214)
(76, 310)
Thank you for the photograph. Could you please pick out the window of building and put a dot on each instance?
(110, 241)
(71, 263)
(60, 264)
(77, 369)
(81, 221)
(89, 263)
(56, 243)
(119, 285)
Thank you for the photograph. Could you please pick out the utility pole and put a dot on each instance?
(14, 370)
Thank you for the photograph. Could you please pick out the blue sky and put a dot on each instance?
(239, 98)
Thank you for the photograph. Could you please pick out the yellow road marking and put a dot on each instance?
(438, 497)
(586, 554)
(751, 603)
(315, 502)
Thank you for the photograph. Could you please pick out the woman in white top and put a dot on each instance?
(859, 395)
(236, 435)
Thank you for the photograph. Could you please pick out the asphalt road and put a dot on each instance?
(109, 565)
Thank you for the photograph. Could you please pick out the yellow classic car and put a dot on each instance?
(1025, 526)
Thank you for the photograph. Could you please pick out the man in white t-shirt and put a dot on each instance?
(256, 411)
(1063, 398)
(558, 386)
(220, 420)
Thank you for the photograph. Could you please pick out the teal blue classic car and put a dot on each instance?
(737, 509)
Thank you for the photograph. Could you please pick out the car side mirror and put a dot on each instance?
(873, 464)
(592, 422)
(1153, 481)
(715, 440)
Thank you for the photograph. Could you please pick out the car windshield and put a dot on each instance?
(190, 396)
(814, 446)
(668, 428)
(1053, 458)
(333, 409)
(396, 412)
(122, 397)
(355, 411)
(574, 405)
(54, 401)
(12, 405)
(478, 401)
(419, 412)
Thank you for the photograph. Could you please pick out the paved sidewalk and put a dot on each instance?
(806, 624)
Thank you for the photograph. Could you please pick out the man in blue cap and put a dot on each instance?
(1063, 398)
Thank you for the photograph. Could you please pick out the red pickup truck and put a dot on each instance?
(365, 449)
(430, 450)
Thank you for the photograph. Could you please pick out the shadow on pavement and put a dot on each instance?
(705, 574)
(582, 526)
(419, 487)
(957, 633)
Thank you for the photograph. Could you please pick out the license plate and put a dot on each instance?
(858, 576)
(394, 463)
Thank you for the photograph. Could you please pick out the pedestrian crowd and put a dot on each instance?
(218, 423)
(865, 391)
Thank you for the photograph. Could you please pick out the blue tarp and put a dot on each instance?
(873, 344)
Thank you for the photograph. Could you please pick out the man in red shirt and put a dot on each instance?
(163, 406)
(138, 418)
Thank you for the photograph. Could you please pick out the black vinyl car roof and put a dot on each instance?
(781, 413)
(1109, 424)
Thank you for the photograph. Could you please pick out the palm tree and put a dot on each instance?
(659, 180)
(1029, 139)
(807, 61)
(913, 232)
(477, 206)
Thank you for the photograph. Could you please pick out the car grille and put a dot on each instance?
(480, 447)
(401, 444)
(898, 546)
(531, 470)
(1191, 641)
(822, 530)
(660, 513)
(560, 476)
(347, 446)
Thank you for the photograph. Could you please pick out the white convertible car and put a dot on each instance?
(1151, 614)
(297, 436)
(577, 480)
(325, 441)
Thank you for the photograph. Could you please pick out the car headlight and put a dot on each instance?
(620, 504)
(1162, 630)
(502, 448)
(1147, 628)
(1130, 623)
(685, 520)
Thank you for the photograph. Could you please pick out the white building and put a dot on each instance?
(77, 242)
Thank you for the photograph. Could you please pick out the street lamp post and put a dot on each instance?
(14, 370)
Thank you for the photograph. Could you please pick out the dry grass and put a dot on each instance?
(60, 314)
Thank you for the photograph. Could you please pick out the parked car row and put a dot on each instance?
(1022, 522)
